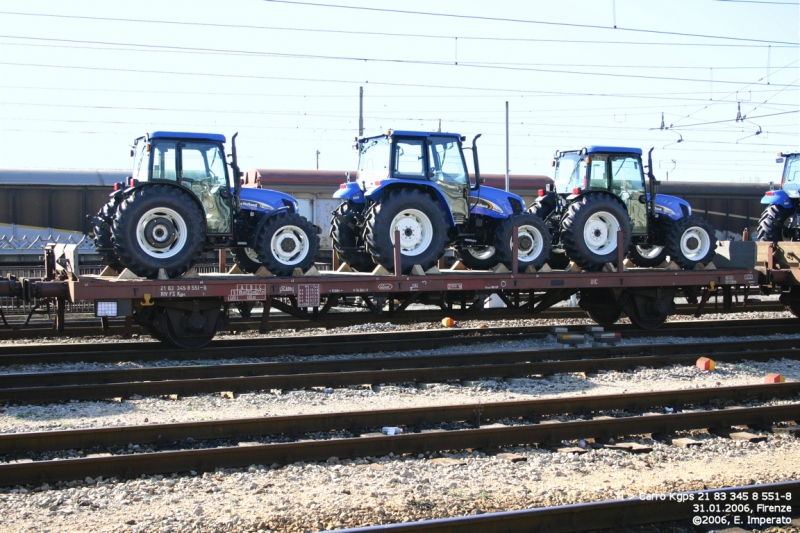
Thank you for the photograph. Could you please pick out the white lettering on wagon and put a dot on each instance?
(179, 291)
(385, 286)
(454, 286)
(248, 292)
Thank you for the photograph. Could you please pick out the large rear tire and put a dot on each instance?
(345, 228)
(589, 230)
(533, 241)
(691, 240)
(287, 241)
(421, 224)
(772, 225)
(104, 235)
(158, 226)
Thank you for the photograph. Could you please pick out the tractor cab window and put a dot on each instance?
(791, 174)
(626, 175)
(570, 171)
(598, 178)
(373, 160)
(203, 171)
(446, 162)
(164, 160)
(409, 159)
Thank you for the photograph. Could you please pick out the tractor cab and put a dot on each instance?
(605, 168)
(194, 161)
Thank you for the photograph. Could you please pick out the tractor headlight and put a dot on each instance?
(489, 205)
(665, 210)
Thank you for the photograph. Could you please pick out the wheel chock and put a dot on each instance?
(573, 267)
(711, 266)
(433, 270)
(297, 272)
(345, 267)
(109, 272)
(236, 270)
(704, 363)
(263, 272)
(458, 265)
(609, 267)
(380, 271)
(628, 263)
(162, 274)
(673, 266)
(699, 266)
(545, 268)
(312, 272)
(127, 274)
(530, 270)
(191, 274)
(500, 268)
(774, 378)
(416, 270)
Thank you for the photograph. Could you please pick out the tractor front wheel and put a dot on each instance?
(589, 230)
(287, 241)
(158, 226)
(643, 255)
(533, 241)
(246, 259)
(421, 224)
(478, 257)
(690, 241)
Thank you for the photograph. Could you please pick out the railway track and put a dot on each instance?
(598, 515)
(84, 327)
(204, 446)
(362, 343)
(42, 387)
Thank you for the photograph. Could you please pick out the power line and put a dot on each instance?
(524, 21)
(135, 47)
(384, 34)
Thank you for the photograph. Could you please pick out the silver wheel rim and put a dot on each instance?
(161, 233)
(481, 252)
(251, 255)
(530, 243)
(649, 252)
(695, 243)
(600, 233)
(416, 231)
(289, 245)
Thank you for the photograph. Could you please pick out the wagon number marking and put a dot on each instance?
(247, 292)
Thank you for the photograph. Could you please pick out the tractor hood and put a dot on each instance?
(266, 200)
(495, 203)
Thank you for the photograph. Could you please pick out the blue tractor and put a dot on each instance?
(417, 183)
(182, 201)
(779, 221)
(599, 191)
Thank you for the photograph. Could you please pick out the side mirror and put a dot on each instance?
(133, 153)
(779, 160)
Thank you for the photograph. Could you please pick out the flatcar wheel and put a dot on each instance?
(155, 333)
(601, 306)
(648, 311)
(190, 329)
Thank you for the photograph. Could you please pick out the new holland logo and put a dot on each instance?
(385, 286)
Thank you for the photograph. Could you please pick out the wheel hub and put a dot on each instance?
(416, 231)
(290, 245)
(695, 243)
(160, 232)
(600, 233)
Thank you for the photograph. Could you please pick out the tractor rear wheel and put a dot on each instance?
(589, 230)
(691, 240)
(104, 236)
(772, 226)
(287, 241)
(159, 226)
(643, 255)
(421, 224)
(533, 241)
(345, 228)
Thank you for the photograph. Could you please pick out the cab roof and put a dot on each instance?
(613, 150)
(188, 135)
(417, 134)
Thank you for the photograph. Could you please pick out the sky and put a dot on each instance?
(80, 80)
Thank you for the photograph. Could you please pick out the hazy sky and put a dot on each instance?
(80, 80)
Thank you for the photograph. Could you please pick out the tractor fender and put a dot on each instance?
(673, 207)
(266, 200)
(777, 198)
(350, 191)
(495, 203)
(434, 192)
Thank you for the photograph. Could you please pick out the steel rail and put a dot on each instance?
(20, 443)
(612, 515)
(203, 460)
(730, 351)
(191, 387)
(337, 344)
